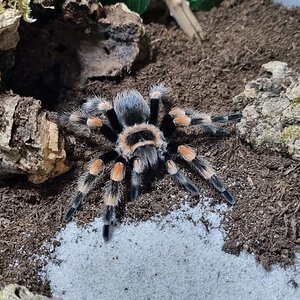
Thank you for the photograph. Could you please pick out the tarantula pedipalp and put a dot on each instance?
(141, 145)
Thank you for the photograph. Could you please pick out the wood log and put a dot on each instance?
(30, 143)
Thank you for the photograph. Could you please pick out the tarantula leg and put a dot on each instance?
(103, 106)
(206, 122)
(86, 182)
(168, 124)
(186, 118)
(74, 117)
(180, 178)
(81, 118)
(205, 169)
(157, 93)
(112, 198)
(84, 186)
(227, 118)
(202, 120)
(136, 178)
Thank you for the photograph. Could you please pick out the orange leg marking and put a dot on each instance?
(94, 122)
(182, 121)
(177, 112)
(105, 106)
(187, 153)
(117, 172)
(171, 167)
(96, 166)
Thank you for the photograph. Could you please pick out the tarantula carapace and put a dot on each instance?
(141, 145)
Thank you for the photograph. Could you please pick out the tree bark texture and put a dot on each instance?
(30, 143)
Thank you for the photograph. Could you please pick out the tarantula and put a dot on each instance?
(141, 145)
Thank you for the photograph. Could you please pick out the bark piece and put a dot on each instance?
(9, 24)
(82, 12)
(84, 46)
(29, 142)
(120, 49)
(109, 46)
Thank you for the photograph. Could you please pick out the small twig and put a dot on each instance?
(181, 12)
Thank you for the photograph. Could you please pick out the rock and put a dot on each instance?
(18, 292)
(271, 115)
(30, 143)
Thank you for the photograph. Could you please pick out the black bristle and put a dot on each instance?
(113, 120)
(134, 193)
(228, 197)
(167, 126)
(73, 208)
(109, 156)
(154, 106)
(108, 133)
(106, 232)
(69, 215)
(143, 135)
(89, 179)
(217, 183)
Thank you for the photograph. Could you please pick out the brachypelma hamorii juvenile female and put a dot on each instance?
(140, 144)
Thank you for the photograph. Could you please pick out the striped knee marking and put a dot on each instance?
(204, 168)
(86, 181)
(177, 112)
(158, 91)
(182, 121)
(94, 122)
(112, 194)
(171, 167)
(104, 106)
(155, 95)
(187, 153)
(95, 167)
(117, 172)
(138, 166)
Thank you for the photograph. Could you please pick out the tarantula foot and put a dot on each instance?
(228, 197)
(230, 117)
(109, 222)
(69, 215)
(222, 133)
(134, 194)
(106, 232)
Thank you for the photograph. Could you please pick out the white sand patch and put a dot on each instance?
(173, 257)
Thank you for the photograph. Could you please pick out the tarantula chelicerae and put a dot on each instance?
(141, 145)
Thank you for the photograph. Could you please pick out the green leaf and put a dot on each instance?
(139, 6)
(204, 4)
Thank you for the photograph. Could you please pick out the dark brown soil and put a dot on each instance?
(240, 37)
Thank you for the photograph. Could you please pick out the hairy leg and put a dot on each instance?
(86, 182)
(206, 171)
(112, 197)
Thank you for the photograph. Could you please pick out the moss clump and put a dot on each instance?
(23, 6)
(291, 132)
(296, 100)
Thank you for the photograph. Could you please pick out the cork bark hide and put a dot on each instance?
(30, 143)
